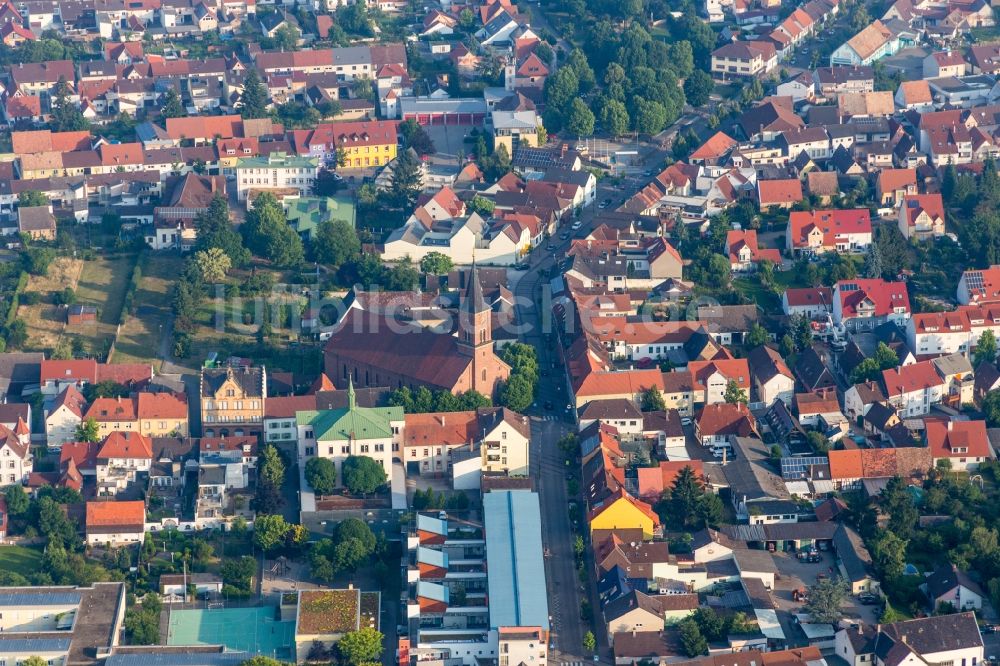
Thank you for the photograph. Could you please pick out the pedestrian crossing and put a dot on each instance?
(573, 663)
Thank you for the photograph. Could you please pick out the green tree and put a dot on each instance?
(272, 467)
(889, 554)
(213, 263)
(986, 348)
(321, 474)
(698, 88)
(34, 661)
(335, 243)
(261, 660)
(287, 37)
(589, 642)
(404, 183)
(239, 572)
(652, 400)
(267, 233)
(269, 532)
(361, 646)
(818, 442)
(254, 98)
(692, 641)
(415, 136)
(577, 59)
(825, 600)
(614, 116)
(326, 183)
(873, 262)
(734, 394)
(216, 230)
(88, 431)
(172, 106)
(684, 499)
(17, 500)
(517, 393)
(885, 357)
(142, 621)
(355, 528)
(362, 475)
(53, 523)
(580, 119)
(481, 205)
(436, 263)
(648, 117)
(865, 371)
(66, 116)
(32, 198)
(561, 88)
(757, 336)
(712, 627)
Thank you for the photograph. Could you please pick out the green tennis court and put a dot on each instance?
(254, 630)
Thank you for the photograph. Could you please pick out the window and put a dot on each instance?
(345, 449)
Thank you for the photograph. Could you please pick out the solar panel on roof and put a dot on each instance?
(975, 280)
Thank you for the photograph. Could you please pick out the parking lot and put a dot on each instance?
(796, 575)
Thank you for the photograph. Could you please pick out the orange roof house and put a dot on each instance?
(713, 150)
(781, 193)
(964, 444)
(125, 446)
(653, 481)
(893, 184)
(202, 129)
(117, 523)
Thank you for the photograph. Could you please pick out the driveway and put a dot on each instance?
(795, 574)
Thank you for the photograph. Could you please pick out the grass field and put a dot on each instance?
(99, 281)
(20, 560)
(45, 321)
(139, 340)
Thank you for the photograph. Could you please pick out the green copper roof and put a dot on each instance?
(331, 425)
(306, 213)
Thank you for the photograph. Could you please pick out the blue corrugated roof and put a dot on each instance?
(435, 558)
(517, 588)
(26, 598)
(432, 591)
(34, 645)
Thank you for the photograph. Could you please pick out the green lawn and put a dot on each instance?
(140, 335)
(766, 299)
(20, 560)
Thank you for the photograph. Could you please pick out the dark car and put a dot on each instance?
(548, 405)
(868, 600)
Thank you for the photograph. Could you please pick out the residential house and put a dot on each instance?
(63, 417)
(744, 253)
(743, 59)
(782, 194)
(947, 586)
(964, 444)
(913, 389)
(809, 302)
(932, 640)
(232, 400)
(867, 303)
(37, 222)
(115, 523)
(819, 231)
(716, 423)
(921, 216)
(712, 379)
(772, 379)
(855, 563)
(619, 510)
(122, 459)
(892, 185)
(874, 42)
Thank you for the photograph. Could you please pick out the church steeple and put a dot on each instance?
(351, 398)
(475, 316)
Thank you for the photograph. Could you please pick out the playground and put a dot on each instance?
(255, 630)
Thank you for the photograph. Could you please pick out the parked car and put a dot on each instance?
(868, 600)
(551, 247)
(576, 225)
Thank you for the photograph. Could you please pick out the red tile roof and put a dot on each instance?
(715, 147)
(915, 204)
(832, 223)
(884, 296)
(165, 405)
(285, 407)
(653, 481)
(957, 439)
(737, 240)
(786, 191)
(442, 429)
(116, 514)
(72, 399)
(736, 369)
(112, 409)
(909, 378)
(126, 445)
(204, 127)
(806, 296)
(726, 419)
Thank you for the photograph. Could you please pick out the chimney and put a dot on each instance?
(950, 423)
